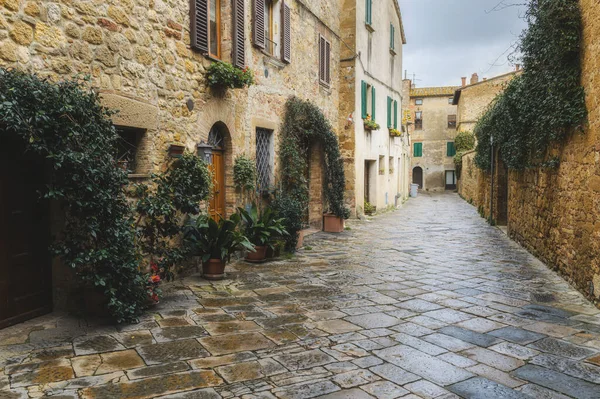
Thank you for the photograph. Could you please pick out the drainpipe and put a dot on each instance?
(492, 181)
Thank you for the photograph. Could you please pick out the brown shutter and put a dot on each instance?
(327, 62)
(286, 39)
(239, 35)
(321, 59)
(199, 25)
(258, 20)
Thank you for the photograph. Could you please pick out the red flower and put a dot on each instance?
(154, 267)
(155, 297)
(155, 279)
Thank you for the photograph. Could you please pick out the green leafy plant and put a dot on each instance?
(304, 123)
(244, 173)
(369, 208)
(544, 104)
(65, 123)
(262, 228)
(165, 204)
(370, 124)
(463, 142)
(215, 240)
(224, 75)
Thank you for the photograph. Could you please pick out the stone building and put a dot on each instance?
(148, 59)
(371, 88)
(554, 213)
(432, 135)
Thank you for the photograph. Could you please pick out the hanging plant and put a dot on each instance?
(224, 75)
(304, 123)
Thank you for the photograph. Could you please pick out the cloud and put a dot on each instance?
(447, 39)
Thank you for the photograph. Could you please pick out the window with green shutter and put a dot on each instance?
(392, 37)
(389, 112)
(363, 97)
(450, 149)
(373, 97)
(395, 114)
(368, 12)
(417, 150)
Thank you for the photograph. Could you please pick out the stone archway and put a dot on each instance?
(418, 176)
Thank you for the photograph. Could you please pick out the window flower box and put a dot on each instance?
(395, 132)
(370, 124)
(222, 75)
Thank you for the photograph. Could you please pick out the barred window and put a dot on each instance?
(264, 157)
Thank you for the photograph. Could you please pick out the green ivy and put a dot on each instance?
(463, 142)
(545, 103)
(244, 173)
(65, 123)
(162, 211)
(304, 124)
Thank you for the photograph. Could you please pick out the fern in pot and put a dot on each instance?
(261, 228)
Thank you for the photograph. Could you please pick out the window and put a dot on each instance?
(264, 158)
(392, 38)
(324, 61)
(270, 39)
(128, 149)
(395, 114)
(450, 149)
(369, 12)
(451, 121)
(417, 150)
(419, 101)
(450, 100)
(418, 120)
(390, 120)
(214, 27)
(368, 100)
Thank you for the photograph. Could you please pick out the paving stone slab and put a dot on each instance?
(348, 394)
(482, 388)
(426, 389)
(495, 375)
(419, 344)
(225, 344)
(394, 373)
(447, 342)
(562, 348)
(95, 344)
(304, 360)
(161, 369)
(514, 350)
(571, 367)
(424, 365)
(384, 390)
(167, 352)
(517, 335)
(208, 393)
(556, 381)
(167, 334)
(538, 392)
(493, 359)
(472, 337)
(306, 391)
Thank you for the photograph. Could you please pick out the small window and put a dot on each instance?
(417, 150)
(451, 121)
(324, 61)
(264, 158)
(129, 156)
(450, 149)
(419, 101)
(418, 120)
(214, 28)
(271, 20)
(450, 100)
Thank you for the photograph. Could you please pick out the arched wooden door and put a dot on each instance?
(418, 176)
(216, 139)
(25, 265)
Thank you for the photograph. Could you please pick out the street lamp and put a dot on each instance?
(205, 152)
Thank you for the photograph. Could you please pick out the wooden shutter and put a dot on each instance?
(258, 23)
(324, 61)
(395, 114)
(418, 150)
(450, 150)
(373, 102)
(199, 25)
(389, 112)
(363, 97)
(392, 37)
(286, 37)
(239, 34)
(368, 11)
(327, 62)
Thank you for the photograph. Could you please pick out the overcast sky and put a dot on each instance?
(447, 39)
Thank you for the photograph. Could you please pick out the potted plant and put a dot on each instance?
(215, 242)
(395, 132)
(222, 75)
(370, 209)
(370, 124)
(261, 228)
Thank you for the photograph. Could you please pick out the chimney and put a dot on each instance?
(464, 81)
(474, 78)
(517, 67)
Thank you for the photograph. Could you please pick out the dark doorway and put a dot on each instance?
(450, 180)
(418, 176)
(25, 263)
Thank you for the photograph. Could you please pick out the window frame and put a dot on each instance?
(324, 62)
(418, 121)
(417, 101)
(418, 144)
(452, 121)
(270, 161)
(270, 44)
(218, 29)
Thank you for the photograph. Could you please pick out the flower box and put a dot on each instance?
(332, 223)
(395, 132)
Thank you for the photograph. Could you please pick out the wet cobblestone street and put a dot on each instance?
(425, 302)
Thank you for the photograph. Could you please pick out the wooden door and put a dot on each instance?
(25, 266)
(217, 201)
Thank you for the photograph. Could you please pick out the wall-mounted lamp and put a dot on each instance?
(176, 150)
(205, 151)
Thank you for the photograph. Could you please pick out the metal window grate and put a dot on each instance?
(263, 158)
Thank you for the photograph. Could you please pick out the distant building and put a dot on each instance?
(432, 135)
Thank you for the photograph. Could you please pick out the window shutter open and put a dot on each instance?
(363, 96)
(258, 21)
(327, 62)
(239, 35)
(395, 114)
(321, 59)
(373, 97)
(389, 112)
(199, 25)
(368, 16)
(286, 37)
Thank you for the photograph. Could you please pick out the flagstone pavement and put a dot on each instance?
(425, 302)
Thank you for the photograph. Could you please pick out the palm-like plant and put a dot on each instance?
(216, 240)
(262, 227)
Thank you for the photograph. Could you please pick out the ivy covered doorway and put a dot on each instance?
(25, 262)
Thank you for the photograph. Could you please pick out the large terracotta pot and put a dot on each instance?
(213, 269)
(332, 223)
(259, 254)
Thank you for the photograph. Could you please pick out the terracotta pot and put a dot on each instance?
(333, 223)
(300, 241)
(213, 269)
(259, 255)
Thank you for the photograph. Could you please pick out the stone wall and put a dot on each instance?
(555, 213)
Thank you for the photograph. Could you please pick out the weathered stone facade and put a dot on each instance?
(376, 164)
(433, 135)
(555, 213)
